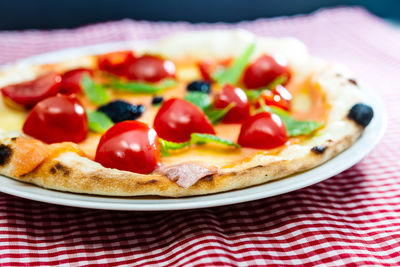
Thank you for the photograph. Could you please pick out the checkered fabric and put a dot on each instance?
(350, 219)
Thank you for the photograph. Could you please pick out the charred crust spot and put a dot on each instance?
(13, 139)
(318, 149)
(361, 114)
(5, 154)
(352, 81)
(58, 167)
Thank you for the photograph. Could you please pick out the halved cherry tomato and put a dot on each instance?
(150, 68)
(115, 62)
(177, 119)
(232, 94)
(130, 146)
(263, 71)
(71, 80)
(279, 97)
(263, 131)
(207, 67)
(57, 119)
(27, 94)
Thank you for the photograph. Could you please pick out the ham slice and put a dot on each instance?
(187, 174)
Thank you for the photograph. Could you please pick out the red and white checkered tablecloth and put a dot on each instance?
(350, 219)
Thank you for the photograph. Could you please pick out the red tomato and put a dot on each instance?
(115, 62)
(279, 97)
(150, 68)
(263, 71)
(29, 93)
(232, 94)
(263, 131)
(71, 80)
(57, 119)
(130, 146)
(205, 69)
(177, 119)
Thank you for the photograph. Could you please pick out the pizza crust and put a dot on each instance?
(73, 173)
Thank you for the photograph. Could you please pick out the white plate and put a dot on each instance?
(345, 160)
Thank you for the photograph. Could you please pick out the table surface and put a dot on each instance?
(353, 217)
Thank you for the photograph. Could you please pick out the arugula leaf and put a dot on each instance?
(195, 138)
(198, 138)
(98, 121)
(141, 87)
(202, 100)
(232, 74)
(166, 146)
(96, 93)
(253, 94)
(216, 115)
(296, 127)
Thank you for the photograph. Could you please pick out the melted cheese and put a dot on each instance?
(308, 103)
(11, 119)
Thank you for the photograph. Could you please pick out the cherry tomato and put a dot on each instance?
(205, 69)
(27, 94)
(150, 68)
(279, 97)
(57, 119)
(71, 81)
(263, 71)
(130, 146)
(115, 62)
(232, 94)
(263, 131)
(177, 119)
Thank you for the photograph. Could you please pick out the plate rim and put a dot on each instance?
(293, 182)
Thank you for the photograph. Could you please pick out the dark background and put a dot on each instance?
(50, 14)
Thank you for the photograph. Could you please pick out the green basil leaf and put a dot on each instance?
(278, 80)
(295, 127)
(254, 94)
(96, 93)
(167, 83)
(98, 121)
(141, 87)
(216, 115)
(195, 138)
(166, 146)
(199, 138)
(202, 100)
(232, 74)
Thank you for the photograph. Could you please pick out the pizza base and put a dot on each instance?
(73, 173)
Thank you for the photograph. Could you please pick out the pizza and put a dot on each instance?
(196, 113)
